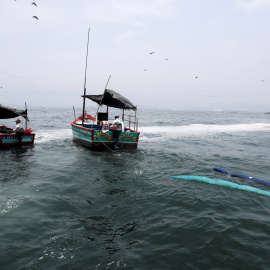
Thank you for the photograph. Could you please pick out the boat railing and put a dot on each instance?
(132, 120)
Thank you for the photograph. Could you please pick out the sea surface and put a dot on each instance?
(63, 206)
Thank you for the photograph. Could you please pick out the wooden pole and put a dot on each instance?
(135, 121)
(85, 79)
(74, 113)
(25, 119)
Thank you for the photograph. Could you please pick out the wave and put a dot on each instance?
(53, 135)
(166, 132)
(199, 130)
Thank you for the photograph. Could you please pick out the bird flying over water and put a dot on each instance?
(196, 77)
(35, 17)
(151, 52)
(34, 4)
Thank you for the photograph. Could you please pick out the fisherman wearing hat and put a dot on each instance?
(18, 125)
(19, 129)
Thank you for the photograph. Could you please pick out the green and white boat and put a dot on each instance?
(86, 129)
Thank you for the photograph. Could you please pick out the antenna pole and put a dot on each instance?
(103, 95)
(85, 79)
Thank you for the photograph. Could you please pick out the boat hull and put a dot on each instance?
(98, 140)
(9, 140)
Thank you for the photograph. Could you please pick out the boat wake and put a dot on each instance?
(43, 136)
(198, 131)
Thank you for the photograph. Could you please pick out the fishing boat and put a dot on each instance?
(118, 135)
(87, 131)
(8, 136)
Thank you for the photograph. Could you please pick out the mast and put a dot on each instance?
(25, 119)
(85, 79)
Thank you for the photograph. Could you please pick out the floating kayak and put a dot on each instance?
(220, 182)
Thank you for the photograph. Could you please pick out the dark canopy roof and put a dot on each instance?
(112, 99)
(6, 112)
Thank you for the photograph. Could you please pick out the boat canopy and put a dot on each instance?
(112, 99)
(7, 112)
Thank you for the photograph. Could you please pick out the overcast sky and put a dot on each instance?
(217, 51)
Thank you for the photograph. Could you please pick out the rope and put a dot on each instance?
(105, 144)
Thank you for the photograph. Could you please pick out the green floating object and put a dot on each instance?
(220, 182)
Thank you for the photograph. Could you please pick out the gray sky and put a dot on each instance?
(224, 43)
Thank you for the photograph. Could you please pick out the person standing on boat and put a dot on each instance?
(104, 125)
(19, 130)
(117, 121)
(118, 127)
(18, 127)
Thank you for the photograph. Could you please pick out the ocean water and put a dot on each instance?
(63, 206)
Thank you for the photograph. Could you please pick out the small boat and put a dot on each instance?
(87, 130)
(8, 136)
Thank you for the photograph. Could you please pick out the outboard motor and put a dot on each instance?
(117, 129)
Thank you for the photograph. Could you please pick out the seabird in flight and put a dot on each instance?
(34, 4)
(35, 17)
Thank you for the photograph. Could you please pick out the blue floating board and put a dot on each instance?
(243, 176)
(220, 170)
(251, 178)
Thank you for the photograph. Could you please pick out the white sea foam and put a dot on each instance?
(53, 135)
(165, 132)
(198, 130)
